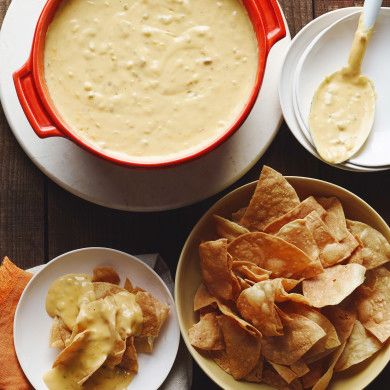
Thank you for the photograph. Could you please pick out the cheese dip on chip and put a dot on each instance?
(99, 329)
(145, 79)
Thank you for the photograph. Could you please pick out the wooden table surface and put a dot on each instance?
(39, 220)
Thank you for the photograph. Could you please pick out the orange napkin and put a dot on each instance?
(13, 280)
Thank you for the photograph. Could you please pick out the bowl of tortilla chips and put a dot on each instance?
(285, 283)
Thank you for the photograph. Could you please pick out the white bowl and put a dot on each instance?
(188, 278)
(297, 47)
(328, 53)
(32, 324)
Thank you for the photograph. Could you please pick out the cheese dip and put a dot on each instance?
(95, 330)
(145, 79)
(343, 107)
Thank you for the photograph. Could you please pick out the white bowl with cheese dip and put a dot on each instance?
(147, 84)
(333, 45)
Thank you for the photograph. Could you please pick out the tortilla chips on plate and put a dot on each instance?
(292, 291)
(110, 326)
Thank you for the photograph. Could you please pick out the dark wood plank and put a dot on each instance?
(21, 198)
(322, 6)
(298, 13)
(3, 8)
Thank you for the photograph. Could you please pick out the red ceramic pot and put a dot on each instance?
(30, 84)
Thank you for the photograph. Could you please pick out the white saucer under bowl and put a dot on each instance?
(123, 188)
(298, 45)
(32, 324)
(328, 53)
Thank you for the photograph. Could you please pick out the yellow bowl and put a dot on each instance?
(188, 278)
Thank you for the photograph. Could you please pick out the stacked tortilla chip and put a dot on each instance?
(292, 291)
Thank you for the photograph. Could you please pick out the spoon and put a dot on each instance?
(343, 107)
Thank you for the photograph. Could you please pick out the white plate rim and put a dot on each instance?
(131, 258)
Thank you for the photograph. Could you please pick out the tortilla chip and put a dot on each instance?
(300, 334)
(273, 197)
(206, 334)
(89, 358)
(317, 369)
(228, 229)
(203, 298)
(154, 313)
(376, 249)
(206, 299)
(104, 289)
(359, 347)
(331, 250)
(274, 254)
(343, 318)
(250, 282)
(357, 256)
(216, 267)
(144, 344)
(105, 274)
(334, 218)
(59, 334)
(243, 283)
(72, 349)
(325, 379)
(327, 343)
(75, 355)
(237, 215)
(255, 376)
(250, 271)
(257, 304)
(130, 357)
(228, 312)
(128, 285)
(343, 250)
(206, 310)
(242, 350)
(272, 378)
(116, 355)
(333, 285)
(286, 373)
(373, 303)
(251, 276)
(300, 368)
(298, 234)
(299, 212)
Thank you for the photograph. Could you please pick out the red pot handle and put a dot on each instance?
(273, 21)
(32, 104)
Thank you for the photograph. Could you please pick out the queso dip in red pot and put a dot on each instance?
(147, 82)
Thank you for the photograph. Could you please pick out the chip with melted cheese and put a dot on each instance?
(95, 325)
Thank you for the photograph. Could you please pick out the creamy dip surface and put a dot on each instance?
(142, 79)
(343, 107)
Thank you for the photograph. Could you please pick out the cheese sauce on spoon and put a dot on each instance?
(343, 107)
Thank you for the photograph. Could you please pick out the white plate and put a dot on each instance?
(328, 53)
(32, 323)
(298, 45)
(109, 185)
